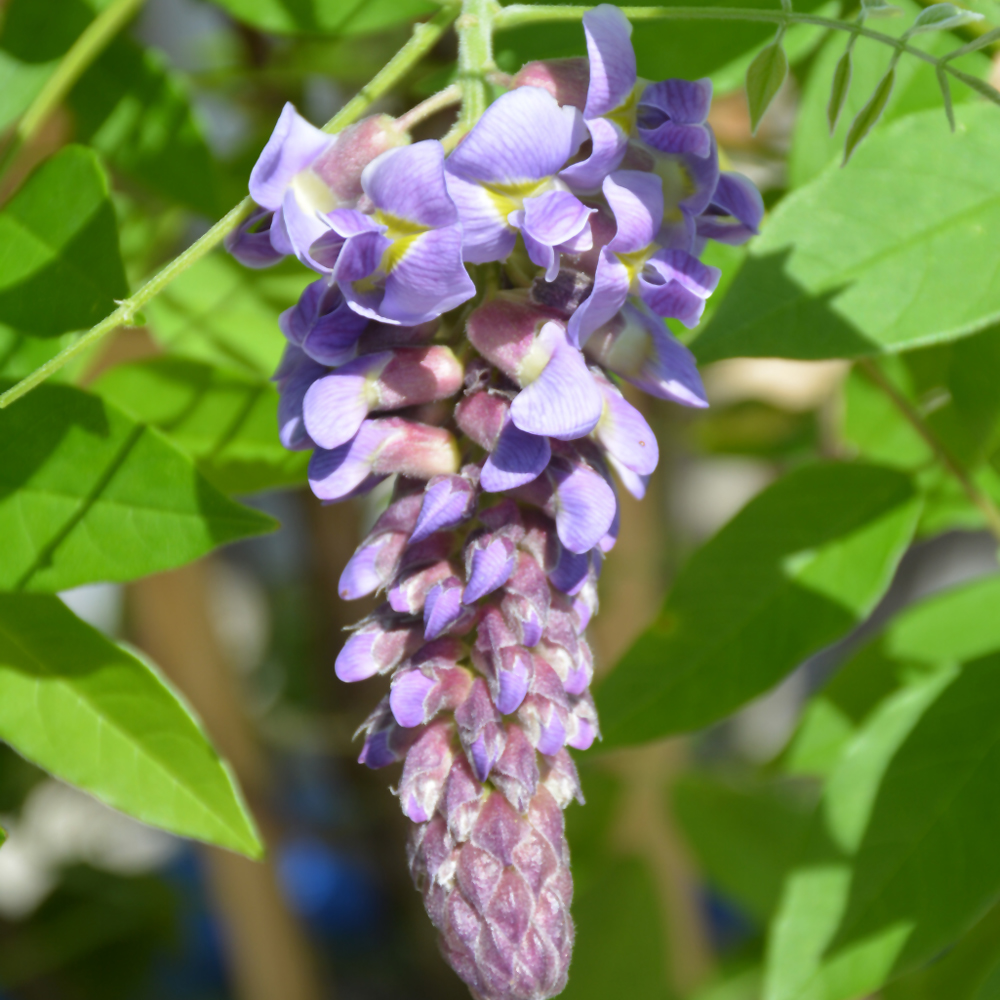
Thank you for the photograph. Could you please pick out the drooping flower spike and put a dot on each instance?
(505, 503)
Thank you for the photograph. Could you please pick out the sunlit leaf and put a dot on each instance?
(839, 91)
(878, 256)
(100, 718)
(88, 494)
(943, 17)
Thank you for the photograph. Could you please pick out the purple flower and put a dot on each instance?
(735, 212)
(637, 346)
(323, 325)
(304, 173)
(503, 178)
(668, 116)
(250, 243)
(670, 282)
(627, 439)
(403, 264)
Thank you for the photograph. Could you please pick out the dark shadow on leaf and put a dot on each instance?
(33, 427)
(767, 313)
(928, 856)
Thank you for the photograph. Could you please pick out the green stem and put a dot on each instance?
(424, 38)
(518, 15)
(987, 507)
(92, 42)
(475, 60)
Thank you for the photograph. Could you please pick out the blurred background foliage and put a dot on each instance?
(830, 820)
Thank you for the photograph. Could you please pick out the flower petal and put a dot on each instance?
(428, 280)
(608, 145)
(335, 405)
(486, 233)
(564, 401)
(293, 145)
(296, 228)
(491, 567)
(585, 505)
(735, 196)
(250, 243)
(684, 102)
(612, 59)
(296, 373)
(336, 473)
(448, 501)
(611, 285)
(518, 459)
(408, 183)
(636, 198)
(407, 696)
(624, 433)
(442, 607)
(523, 136)
(669, 137)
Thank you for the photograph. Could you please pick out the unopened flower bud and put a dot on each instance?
(448, 501)
(335, 406)
(482, 417)
(381, 643)
(505, 328)
(444, 610)
(480, 729)
(385, 740)
(430, 683)
(408, 593)
(489, 562)
(566, 80)
(516, 772)
(425, 773)
(380, 448)
(341, 165)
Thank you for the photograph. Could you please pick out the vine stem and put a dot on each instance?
(475, 27)
(424, 38)
(94, 39)
(986, 506)
(518, 15)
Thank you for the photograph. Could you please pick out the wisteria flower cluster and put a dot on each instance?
(581, 199)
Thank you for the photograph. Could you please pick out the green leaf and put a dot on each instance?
(945, 87)
(227, 422)
(959, 624)
(869, 114)
(102, 719)
(943, 17)
(794, 570)
(128, 105)
(60, 268)
(814, 147)
(348, 17)
(88, 494)
(969, 971)
(840, 89)
(911, 821)
(619, 949)
(764, 79)
(844, 266)
(745, 835)
(833, 715)
(224, 314)
(136, 113)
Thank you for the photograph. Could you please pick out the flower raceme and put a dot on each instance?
(580, 202)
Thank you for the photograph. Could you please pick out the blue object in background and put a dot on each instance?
(334, 893)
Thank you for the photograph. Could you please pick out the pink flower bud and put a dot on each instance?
(489, 562)
(341, 165)
(583, 728)
(482, 417)
(430, 683)
(447, 503)
(504, 330)
(425, 773)
(416, 450)
(380, 644)
(408, 594)
(525, 603)
(516, 772)
(385, 740)
(560, 778)
(444, 610)
(463, 799)
(566, 80)
(480, 729)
